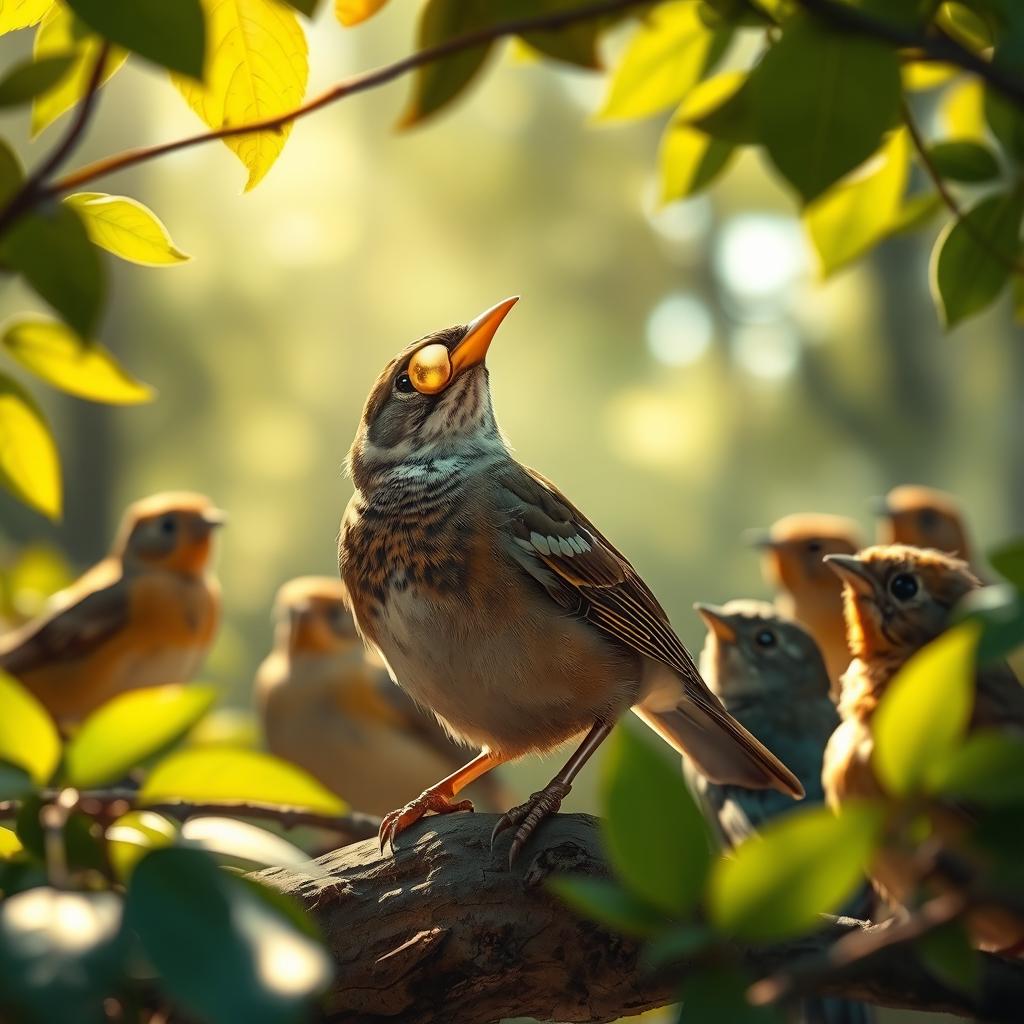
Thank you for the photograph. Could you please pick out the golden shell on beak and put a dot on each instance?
(430, 369)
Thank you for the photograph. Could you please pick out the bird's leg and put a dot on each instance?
(526, 817)
(438, 798)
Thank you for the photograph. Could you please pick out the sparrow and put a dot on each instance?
(144, 616)
(770, 675)
(925, 518)
(897, 599)
(498, 604)
(805, 590)
(327, 708)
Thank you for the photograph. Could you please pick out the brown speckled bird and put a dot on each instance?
(806, 591)
(144, 616)
(325, 707)
(899, 598)
(498, 604)
(925, 518)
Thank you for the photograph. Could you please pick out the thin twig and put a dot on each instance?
(942, 187)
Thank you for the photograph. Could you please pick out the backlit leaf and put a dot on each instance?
(999, 610)
(856, 214)
(133, 835)
(972, 258)
(169, 34)
(257, 68)
(721, 107)
(306, 7)
(224, 774)
(778, 883)
(61, 34)
(59, 356)
(15, 14)
(28, 737)
(126, 228)
(240, 844)
(669, 53)
(352, 12)
(920, 76)
(921, 718)
(574, 44)
(988, 768)
(964, 161)
(29, 79)
(689, 160)
(1008, 560)
(963, 24)
(1006, 122)
(608, 903)
(822, 102)
(29, 463)
(131, 728)
(962, 111)
(10, 844)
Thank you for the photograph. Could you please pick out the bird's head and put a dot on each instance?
(431, 401)
(923, 517)
(793, 550)
(751, 650)
(172, 530)
(897, 598)
(313, 616)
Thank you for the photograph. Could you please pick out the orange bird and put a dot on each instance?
(806, 591)
(329, 709)
(898, 598)
(144, 616)
(924, 518)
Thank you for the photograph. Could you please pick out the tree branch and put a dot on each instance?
(442, 930)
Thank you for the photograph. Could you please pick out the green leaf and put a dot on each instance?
(676, 945)
(964, 161)
(29, 464)
(721, 107)
(667, 56)
(60, 955)
(11, 173)
(922, 717)
(224, 774)
(972, 257)
(854, 215)
(15, 782)
(306, 7)
(240, 844)
(689, 161)
(130, 729)
(988, 769)
(573, 44)
(59, 356)
(172, 35)
(61, 34)
(134, 835)
(965, 25)
(822, 101)
(949, 954)
(608, 903)
(222, 952)
(15, 14)
(1008, 560)
(127, 229)
(807, 863)
(916, 212)
(26, 81)
(10, 844)
(657, 839)
(1006, 122)
(716, 995)
(1000, 611)
(51, 248)
(28, 737)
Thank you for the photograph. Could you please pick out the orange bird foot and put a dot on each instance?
(526, 817)
(395, 823)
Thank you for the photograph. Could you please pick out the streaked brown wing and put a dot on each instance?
(591, 576)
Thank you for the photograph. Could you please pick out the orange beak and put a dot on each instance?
(472, 350)
(853, 572)
(717, 621)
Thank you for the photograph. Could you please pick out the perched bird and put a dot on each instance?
(498, 604)
(325, 707)
(925, 518)
(898, 598)
(769, 674)
(805, 590)
(144, 616)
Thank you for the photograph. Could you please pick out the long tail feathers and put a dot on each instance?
(720, 748)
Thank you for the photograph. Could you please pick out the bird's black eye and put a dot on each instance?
(168, 524)
(403, 383)
(814, 547)
(765, 638)
(903, 586)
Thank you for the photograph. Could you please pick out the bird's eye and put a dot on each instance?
(168, 524)
(765, 638)
(903, 586)
(814, 547)
(403, 383)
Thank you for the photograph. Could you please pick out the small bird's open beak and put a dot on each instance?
(472, 350)
(852, 571)
(758, 538)
(214, 517)
(717, 620)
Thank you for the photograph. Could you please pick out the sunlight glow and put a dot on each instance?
(679, 330)
(768, 351)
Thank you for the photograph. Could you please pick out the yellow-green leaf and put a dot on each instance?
(132, 728)
(962, 111)
(15, 14)
(858, 212)
(720, 107)
(807, 863)
(29, 463)
(240, 844)
(126, 228)
(920, 76)
(667, 56)
(28, 737)
(922, 716)
(257, 69)
(352, 12)
(10, 844)
(62, 34)
(689, 160)
(55, 353)
(133, 835)
(223, 774)
(39, 571)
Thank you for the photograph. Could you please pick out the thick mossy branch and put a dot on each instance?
(442, 931)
